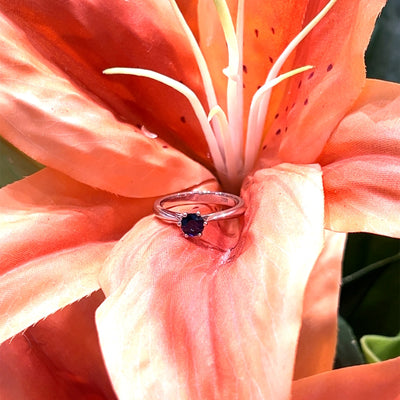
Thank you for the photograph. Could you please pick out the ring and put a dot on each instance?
(192, 224)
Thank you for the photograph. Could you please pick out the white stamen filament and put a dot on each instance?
(234, 73)
(224, 132)
(204, 72)
(258, 114)
(193, 99)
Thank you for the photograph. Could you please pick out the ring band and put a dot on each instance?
(192, 224)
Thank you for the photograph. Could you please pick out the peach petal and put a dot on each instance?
(45, 115)
(362, 382)
(317, 342)
(361, 165)
(184, 319)
(57, 358)
(318, 99)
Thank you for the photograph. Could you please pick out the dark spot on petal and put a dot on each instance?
(183, 119)
(165, 146)
(271, 60)
(244, 86)
(299, 85)
(276, 116)
(256, 32)
(258, 87)
(138, 126)
(286, 128)
(311, 75)
(272, 30)
(293, 105)
(244, 69)
(264, 147)
(306, 101)
(278, 132)
(330, 66)
(287, 108)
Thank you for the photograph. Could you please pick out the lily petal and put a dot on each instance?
(317, 342)
(319, 98)
(49, 211)
(186, 320)
(362, 382)
(41, 109)
(58, 358)
(39, 288)
(268, 30)
(54, 236)
(361, 164)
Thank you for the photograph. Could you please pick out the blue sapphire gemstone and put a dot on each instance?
(192, 225)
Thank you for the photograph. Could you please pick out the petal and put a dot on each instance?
(49, 211)
(58, 358)
(50, 119)
(268, 29)
(84, 38)
(54, 236)
(318, 99)
(47, 284)
(361, 165)
(186, 319)
(363, 382)
(319, 324)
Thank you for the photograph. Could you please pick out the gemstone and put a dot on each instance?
(192, 225)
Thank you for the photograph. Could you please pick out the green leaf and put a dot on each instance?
(379, 348)
(14, 165)
(371, 284)
(348, 351)
(382, 56)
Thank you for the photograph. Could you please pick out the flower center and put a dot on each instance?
(233, 156)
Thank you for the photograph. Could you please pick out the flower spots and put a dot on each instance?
(311, 75)
(256, 32)
(273, 30)
(264, 147)
(183, 119)
(245, 69)
(165, 146)
(306, 101)
(329, 67)
(299, 85)
(276, 116)
(271, 60)
(278, 132)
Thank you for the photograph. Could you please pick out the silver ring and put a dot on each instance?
(192, 224)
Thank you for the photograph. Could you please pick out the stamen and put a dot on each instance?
(234, 72)
(258, 114)
(194, 101)
(203, 68)
(254, 124)
(230, 161)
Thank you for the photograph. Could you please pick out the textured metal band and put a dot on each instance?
(234, 203)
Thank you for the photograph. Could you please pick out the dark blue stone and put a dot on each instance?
(192, 225)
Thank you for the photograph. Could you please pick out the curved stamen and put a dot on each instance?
(264, 91)
(194, 101)
(204, 72)
(258, 114)
(234, 73)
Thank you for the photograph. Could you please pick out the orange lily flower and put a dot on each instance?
(285, 116)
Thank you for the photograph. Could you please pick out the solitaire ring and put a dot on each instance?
(192, 224)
